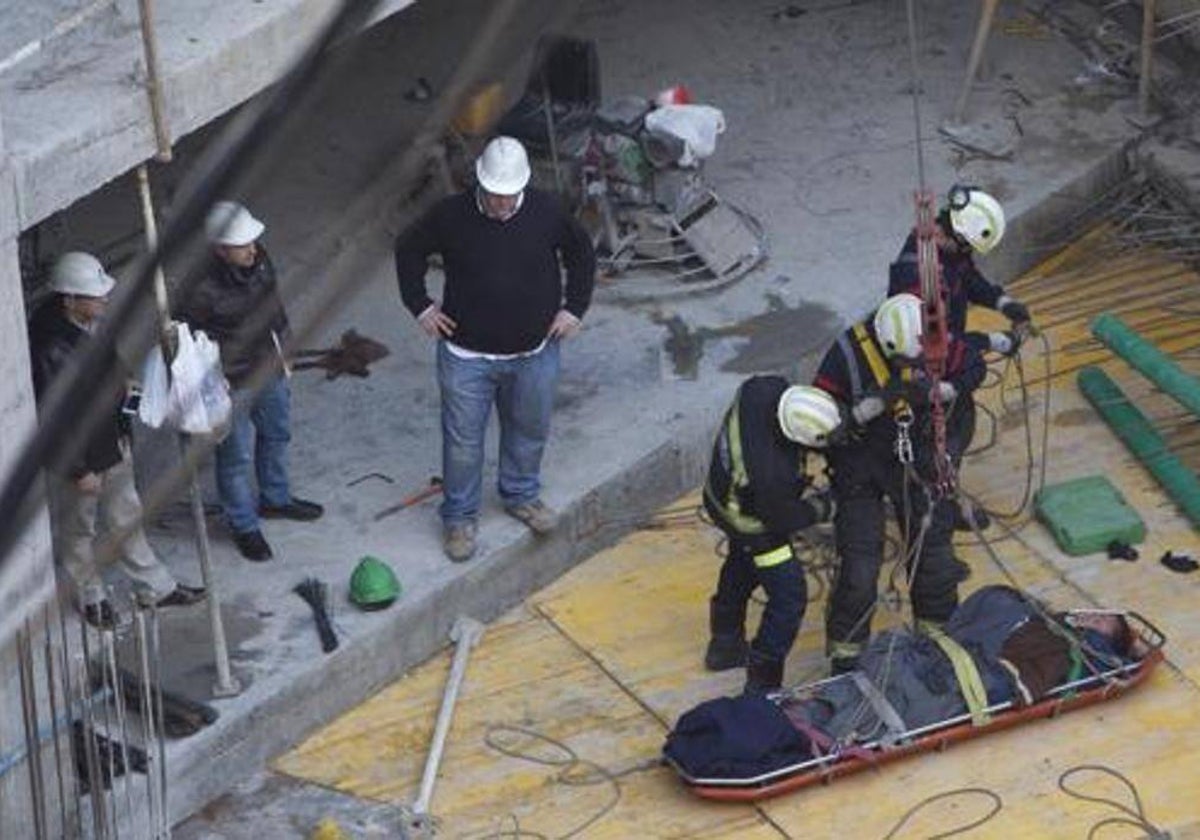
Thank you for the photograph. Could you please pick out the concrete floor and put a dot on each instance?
(819, 147)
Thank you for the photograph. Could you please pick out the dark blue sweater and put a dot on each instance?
(503, 279)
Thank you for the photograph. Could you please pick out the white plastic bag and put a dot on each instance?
(696, 125)
(214, 388)
(156, 394)
(197, 400)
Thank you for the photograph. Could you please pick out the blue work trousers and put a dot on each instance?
(260, 431)
(785, 588)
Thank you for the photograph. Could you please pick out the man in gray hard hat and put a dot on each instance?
(236, 302)
(504, 309)
(92, 495)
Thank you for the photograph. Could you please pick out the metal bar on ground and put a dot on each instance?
(465, 632)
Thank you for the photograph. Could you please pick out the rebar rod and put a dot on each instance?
(33, 747)
(55, 733)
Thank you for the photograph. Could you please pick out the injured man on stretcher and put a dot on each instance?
(999, 646)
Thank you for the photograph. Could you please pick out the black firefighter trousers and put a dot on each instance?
(863, 474)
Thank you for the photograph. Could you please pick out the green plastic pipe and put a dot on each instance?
(1143, 440)
(1151, 362)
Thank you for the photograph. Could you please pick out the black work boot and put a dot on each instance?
(763, 674)
(727, 647)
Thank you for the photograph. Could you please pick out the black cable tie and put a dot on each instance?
(1121, 550)
(1179, 562)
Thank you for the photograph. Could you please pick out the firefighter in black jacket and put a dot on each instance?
(755, 494)
(875, 371)
(971, 222)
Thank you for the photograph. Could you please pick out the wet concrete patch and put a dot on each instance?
(773, 341)
(187, 662)
(279, 806)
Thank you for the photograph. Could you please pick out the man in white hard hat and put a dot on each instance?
(93, 494)
(236, 302)
(970, 222)
(504, 310)
(875, 370)
(759, 493)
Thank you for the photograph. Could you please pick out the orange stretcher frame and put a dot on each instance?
(1088, 691)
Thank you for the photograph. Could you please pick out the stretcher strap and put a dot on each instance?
(969, 681)
(1076, 670)
(884, 710)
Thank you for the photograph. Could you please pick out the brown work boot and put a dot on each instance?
(458, 540)
(536, 515)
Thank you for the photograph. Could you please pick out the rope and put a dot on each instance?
(574, 772)
(1031, 488)
(916, 91)
(1136, 815)
(997, 804)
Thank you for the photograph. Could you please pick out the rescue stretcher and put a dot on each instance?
(1093, 688)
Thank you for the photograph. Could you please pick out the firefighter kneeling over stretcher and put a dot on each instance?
(875, 370)
(755, 493)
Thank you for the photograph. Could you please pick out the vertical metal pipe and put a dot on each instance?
(226, 684)
(109, 729)
(33, 746)
(55, 711)
(981, 36)
(76, 759)
(154, 80)
(164, 826)
(1147, 56)
(145, 712)
(88, 728)
(119, 704)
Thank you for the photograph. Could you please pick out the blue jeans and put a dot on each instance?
(261, 422)
(523, 393)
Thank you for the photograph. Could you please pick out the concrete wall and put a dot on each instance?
(26, 575)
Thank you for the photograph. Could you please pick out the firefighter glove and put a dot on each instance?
(867, 409)
(1014, 310)
(1004, 343)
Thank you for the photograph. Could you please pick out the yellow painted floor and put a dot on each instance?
(567, 699)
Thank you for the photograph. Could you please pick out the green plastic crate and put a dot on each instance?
(1086, 514)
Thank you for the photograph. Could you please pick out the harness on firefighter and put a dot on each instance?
(729, 451)
(881, 372)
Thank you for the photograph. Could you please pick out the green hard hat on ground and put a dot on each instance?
(373, 584)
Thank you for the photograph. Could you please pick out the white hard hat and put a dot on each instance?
(808, 415)
(503, 168)
(77, 273)
(898, 326)
(976, 217)
(229, 223)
